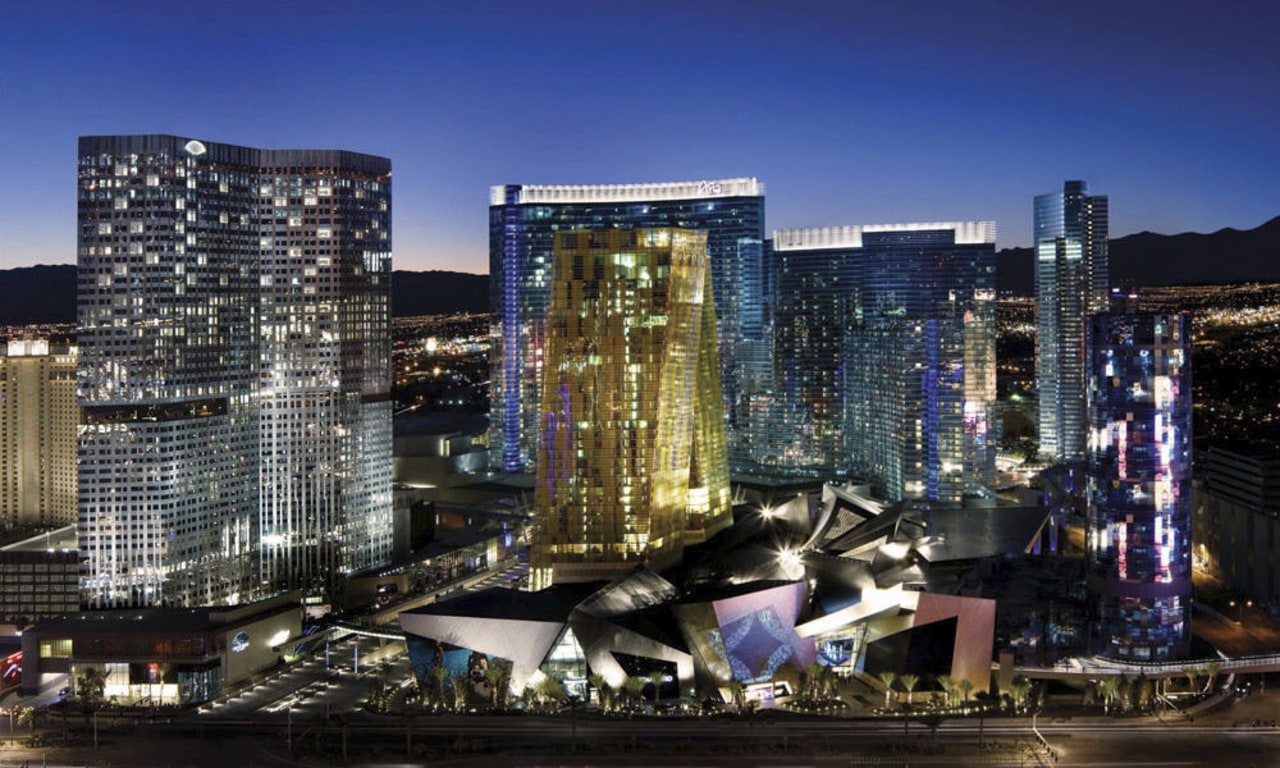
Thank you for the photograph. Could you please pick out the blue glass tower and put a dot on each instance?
(1071, 284)
(523, 220)
(1139, 520)
(885, 353)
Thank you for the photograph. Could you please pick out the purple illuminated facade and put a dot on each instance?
(1139, 450)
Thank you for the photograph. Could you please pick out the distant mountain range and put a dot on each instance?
(1226, 256)
(47, 294)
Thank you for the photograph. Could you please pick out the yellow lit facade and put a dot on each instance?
(632, 464)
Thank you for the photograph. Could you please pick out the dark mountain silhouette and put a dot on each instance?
(47, 294)
(1226, 256)
(438, 292)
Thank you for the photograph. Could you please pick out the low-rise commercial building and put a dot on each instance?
(163, 655)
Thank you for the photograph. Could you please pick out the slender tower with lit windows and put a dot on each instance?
(1139, 518)
(631, 458)
(1071, 230)
(234, 371)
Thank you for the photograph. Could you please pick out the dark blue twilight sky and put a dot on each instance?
(851, 112)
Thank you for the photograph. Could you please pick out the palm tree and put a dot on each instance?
(440, 674)
(1107, 687)
(734, 686)
(812, 672)
(493, 674)
(910, 681)
(887, 678)
(965, 686)
(1211, 669)
(1018, 692)
(634, 686)
(830, 683)
(550, 689)
(1192, 673)
(597, 683)
(27, 717)
(948, 684)
(459, 693)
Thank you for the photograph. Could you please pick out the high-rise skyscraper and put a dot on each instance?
(38, 422)
(885, 350)
(1071, 283)
(1138, 541)
(235, 368)
(523, 221)
(631, 458)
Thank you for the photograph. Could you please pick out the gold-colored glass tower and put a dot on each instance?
(632, 463)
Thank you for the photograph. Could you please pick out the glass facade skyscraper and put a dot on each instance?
(631, 454)
(234, 373)
(885, 352)
(523, 221)
(1071, 231)
(1138, 542)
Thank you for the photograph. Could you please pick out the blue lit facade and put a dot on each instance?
(1071, 230)
(885, 353)
(1139, 519)
(523, 220)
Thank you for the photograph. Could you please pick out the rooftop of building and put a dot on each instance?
(167, 620)
(627, 193)
(824, 238)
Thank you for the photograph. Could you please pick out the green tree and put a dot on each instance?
(90, 685)
(965, 686)
(634, 688)
(910, 681)
(887, 678)
(440, 674)
(735, 688)
(1211, 670)
(948, 684)
(1144, 693)
(597, 683)
(812, 673)
(550, 690)
(495, 676)
(1018, 694)
(1107, 687)
(1192, 673)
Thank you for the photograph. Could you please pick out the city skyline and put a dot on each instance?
(934, 113)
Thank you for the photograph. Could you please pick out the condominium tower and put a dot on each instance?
(885, 354)
(38, 421)
(523, 221)
(1071, 284)
(631, 454)
(1138, 536)
(235, 369)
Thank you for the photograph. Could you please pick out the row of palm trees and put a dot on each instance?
(950, 686)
